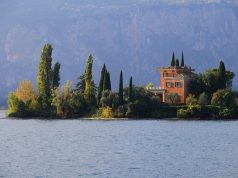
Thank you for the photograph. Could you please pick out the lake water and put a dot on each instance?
(74, 148)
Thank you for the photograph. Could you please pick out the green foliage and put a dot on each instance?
(211, 81)
(130, 90)
(106, 81)
(143, 105)
(189, 112)
(56, 76)
(210, 78)
(205, 112)
(204, 99)
(80, 86)
(120, 91)
(12, 102)
(78, 105)
(172, 98)
(44, 79)
(172, 64)
(222, 98)
(101, 83)
(182, 60)
(61, 100)
(225, 113)
(191, 100)
(197, 85)
(109, 98)
(18, 108)
(109, 81)
(183, 113)
(89, 92)
(214, 80)
(120, 111)
(221, 76)
(68, 104)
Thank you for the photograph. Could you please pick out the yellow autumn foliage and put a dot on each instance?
(107, 112)
(25, 91)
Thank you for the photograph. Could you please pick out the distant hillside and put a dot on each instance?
(137, 36)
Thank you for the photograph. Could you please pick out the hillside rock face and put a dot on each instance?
(136, 36)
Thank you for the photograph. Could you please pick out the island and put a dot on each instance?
(183, 94)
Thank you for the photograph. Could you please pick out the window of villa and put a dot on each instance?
(168, 84)
(178, 84)
(166, 74)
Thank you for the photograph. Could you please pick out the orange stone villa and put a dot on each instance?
(173, 79)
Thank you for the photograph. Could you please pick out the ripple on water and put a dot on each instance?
(73, 148)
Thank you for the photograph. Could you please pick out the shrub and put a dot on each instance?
(225, 113)
(191, 99)
(12, 102)
(172, 98)
(203, 99)
(222, 98)
(183, 113)
(105, 112)
(189, 112)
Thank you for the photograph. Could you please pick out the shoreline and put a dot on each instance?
(121, 119)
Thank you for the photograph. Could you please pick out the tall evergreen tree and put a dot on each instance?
(44, 77)
(56, 76)
(120, 92)
(101, 83)
(177, 63)
(222, 75)
(130, 90)
(109, 81)
(173, 60)
(89, 92)
(182, 60)
(105, 81)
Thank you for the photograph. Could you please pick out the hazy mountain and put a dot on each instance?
(134, 35)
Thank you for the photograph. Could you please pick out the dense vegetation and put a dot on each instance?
(210, 95)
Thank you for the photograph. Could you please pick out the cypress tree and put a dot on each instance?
(130, 92)
(120, 92)
(182, 60)
(105, 81)
(56, 76)
(109, 81)
(101, 82)
(177, 63)
(89, 92)
(44, 77)
(222, 75)
(172, 64)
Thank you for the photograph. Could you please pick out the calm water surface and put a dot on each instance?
(74, 148)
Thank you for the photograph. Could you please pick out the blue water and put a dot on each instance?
(74, 148)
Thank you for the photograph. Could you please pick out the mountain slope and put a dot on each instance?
(137, 36)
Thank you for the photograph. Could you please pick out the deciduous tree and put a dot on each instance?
(25, 91)
(44, 77)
